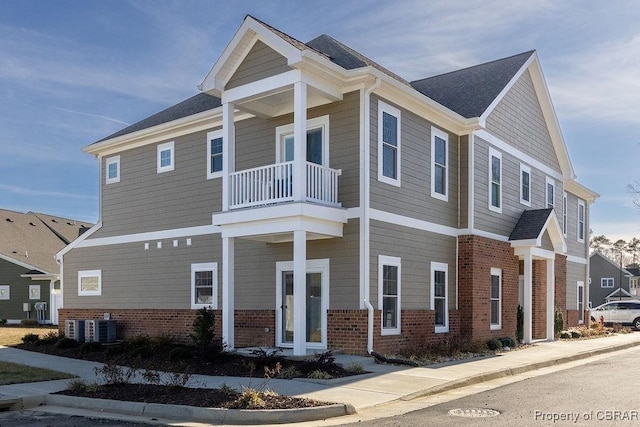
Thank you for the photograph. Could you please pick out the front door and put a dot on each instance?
(316, 302)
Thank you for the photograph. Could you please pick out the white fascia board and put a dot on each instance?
(23, 264)
(77, 241)
(581, 191)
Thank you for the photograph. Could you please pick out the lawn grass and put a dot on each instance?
(12, 335)
(11, 373)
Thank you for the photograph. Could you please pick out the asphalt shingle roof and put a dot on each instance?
(530, 224)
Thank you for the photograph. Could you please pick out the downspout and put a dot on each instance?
(365, 176)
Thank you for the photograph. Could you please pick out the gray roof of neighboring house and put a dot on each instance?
(530, 224)
(470, 91)
(467, 92)
(34, 238)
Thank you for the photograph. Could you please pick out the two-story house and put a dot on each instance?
(317, 200)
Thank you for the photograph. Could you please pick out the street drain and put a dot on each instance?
(474, 412)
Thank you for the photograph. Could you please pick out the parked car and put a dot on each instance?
(624, 312)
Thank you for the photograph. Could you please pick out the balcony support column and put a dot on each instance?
(299, 140)
(228, 152)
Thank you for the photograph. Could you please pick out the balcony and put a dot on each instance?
(272, 184)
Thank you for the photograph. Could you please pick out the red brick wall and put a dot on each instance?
(476, 256)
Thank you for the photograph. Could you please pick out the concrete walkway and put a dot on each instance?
(384, 383)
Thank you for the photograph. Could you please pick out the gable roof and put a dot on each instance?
(470, 91)
(31, 240)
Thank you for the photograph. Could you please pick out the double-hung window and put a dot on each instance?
(495, 180)
(204, 285)
(525, 185)
(388, 144)
(439, 295)
(581, 218)
(214, 154)
(89, 282)
(439, 164)
(389, 284)
(496, 298)
(551, 192)
(166, 157)
(112, 170)
(607, 282)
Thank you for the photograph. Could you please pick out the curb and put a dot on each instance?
(480, 378)
(192, 413)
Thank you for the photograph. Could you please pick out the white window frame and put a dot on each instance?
(525, 169)
(549, 182)
(605, 280)
(167, 146)
(90, 273)
(384, 260)
(5, 292)
(580, 227)
(284, 131)
(496, 272)
(383, 107)
(206, 266)
(565, 207)
(498, 155)
(210, 136)
(580, 292)
(445, 137)
(115, 160)
(444, 267)
(34, 292)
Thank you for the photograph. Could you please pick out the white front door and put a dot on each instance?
(317, 301)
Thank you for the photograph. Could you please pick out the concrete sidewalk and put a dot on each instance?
(384, 383)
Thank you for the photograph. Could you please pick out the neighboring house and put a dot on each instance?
(316, 200)
(29, 273)
(608, 281)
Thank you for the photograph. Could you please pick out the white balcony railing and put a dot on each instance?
(274, 184)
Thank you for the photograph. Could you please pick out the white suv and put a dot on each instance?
(624, 312)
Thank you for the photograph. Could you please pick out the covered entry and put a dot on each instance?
(538, 236)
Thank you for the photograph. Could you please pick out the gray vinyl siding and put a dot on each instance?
(413, 197)
(518, 120)
(11, 309)
(133, 277)
(261, 62)
(145, 200)
(575, 273)
(417, 250)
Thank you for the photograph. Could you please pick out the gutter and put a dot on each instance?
(365, 176)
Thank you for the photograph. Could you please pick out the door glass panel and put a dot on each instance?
(314, 307)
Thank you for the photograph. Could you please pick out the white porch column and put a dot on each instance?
(228, 151)
(228, 289)
(527, 335)
(299, 140)
(299, 292)
(551, 287)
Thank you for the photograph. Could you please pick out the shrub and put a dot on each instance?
(494, 344)
(65, 342)
(179, 353)
(30, 338)
(90, 347)
(203, 325)
(28, 322)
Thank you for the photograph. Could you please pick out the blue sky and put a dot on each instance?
(72, 72)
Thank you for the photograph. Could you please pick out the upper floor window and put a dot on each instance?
(495, 180)
(525, 185)
(89, 282)
(388, 144)
(204, 285)
(551, 192)
(389, 293)
(607, 282)
(214, 154)
(581, 217)
(565, 205)
(439, 164)
(440, 295)
(317, 142)
(166, 157)
(112, 173)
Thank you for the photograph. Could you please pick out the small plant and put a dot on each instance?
(203, 325)
(319, 374)
(354, 368)
(494, 344)
(65, 342)
(289, 372)
(30, 338)
(90, 347)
